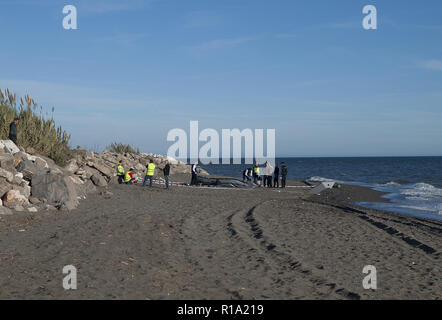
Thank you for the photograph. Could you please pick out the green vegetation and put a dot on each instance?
(34, 130)
(118, 147)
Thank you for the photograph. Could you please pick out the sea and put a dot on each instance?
(413, 184)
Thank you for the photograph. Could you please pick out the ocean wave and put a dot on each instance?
(421, 199)
(422, 191)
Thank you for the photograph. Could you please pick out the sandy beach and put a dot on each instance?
(201, 243)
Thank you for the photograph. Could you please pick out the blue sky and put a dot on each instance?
(137, 68)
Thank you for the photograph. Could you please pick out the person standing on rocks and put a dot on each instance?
(149, 174)
(120, 172)
(166, 172)
(13, 130)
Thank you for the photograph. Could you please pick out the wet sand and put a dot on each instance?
(200, 243)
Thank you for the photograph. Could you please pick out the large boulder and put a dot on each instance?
(8, 162)
(9, 147)
(86, 172)
(99, 180)
(29, 169)
(55, 188)
(108, 172)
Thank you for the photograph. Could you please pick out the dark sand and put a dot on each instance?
(192, 243)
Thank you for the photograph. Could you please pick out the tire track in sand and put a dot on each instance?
(245, 226)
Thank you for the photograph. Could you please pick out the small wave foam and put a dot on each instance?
(421, 191)
(419, 199)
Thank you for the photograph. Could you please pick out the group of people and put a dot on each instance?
(270, 175)
(128, 177)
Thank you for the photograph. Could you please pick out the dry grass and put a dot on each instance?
(118, 147)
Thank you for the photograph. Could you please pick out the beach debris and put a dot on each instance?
(323, 186)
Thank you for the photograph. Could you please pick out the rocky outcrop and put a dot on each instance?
(30, 182)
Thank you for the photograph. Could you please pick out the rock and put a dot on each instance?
(7, 175)
(5, 211)
(29, 169)
(76, 180)
(17, 180)
(103, 169)
(7, 162)
(55, 188)
(13, 198)
(106, 194)
(99, 180)
(18, 208)
(90, 156)
(89, 172)
(25, 190)
(40, 163)
(172, 161)
(72, 166)
(34, 200)
(23, 156)
(30, 150)
(80, 172)
(4, 187)
(69, 205)
(89, 187)
(32, 209)
(9, 147)
(49, 207)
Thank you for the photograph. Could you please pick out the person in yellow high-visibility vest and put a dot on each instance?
(120, 172)
(256, 173)
(129, 177)
(150, 172)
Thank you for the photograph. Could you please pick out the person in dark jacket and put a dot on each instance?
(13, 130)
(283, 174)
(166, 172)
(276, 176)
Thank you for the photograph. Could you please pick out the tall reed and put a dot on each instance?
(35, 129)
